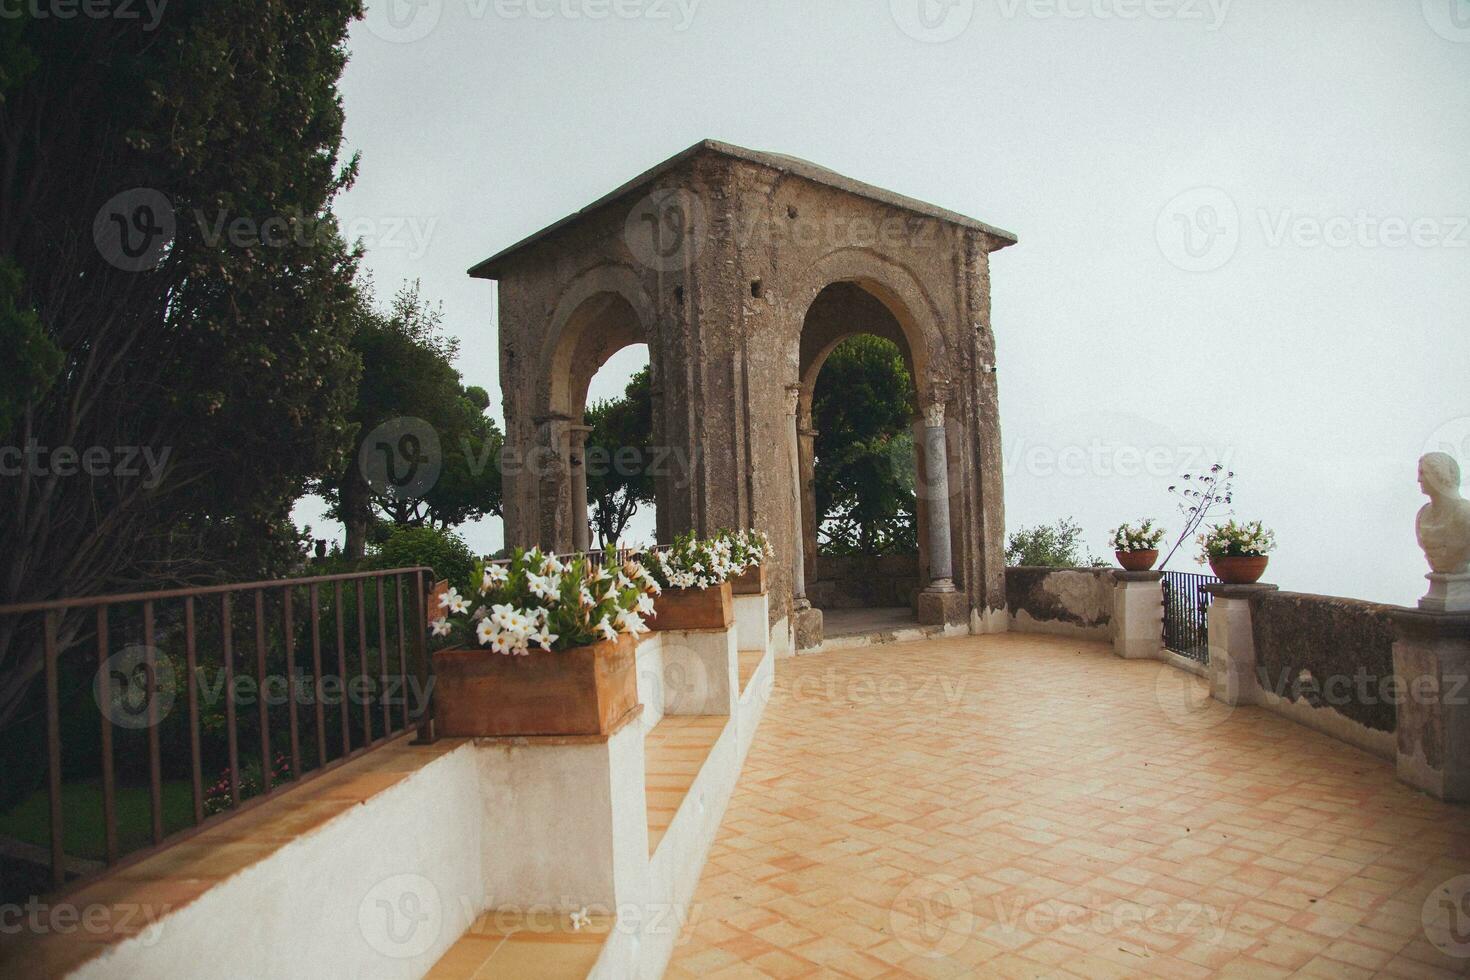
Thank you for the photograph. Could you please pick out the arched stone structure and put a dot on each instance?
(720, 259)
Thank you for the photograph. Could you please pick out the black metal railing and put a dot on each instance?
(171, 710)
(1186, 614)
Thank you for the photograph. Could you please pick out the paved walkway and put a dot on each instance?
(1028, 806)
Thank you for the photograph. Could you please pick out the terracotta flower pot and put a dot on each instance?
(752, 581)
(1237, 570)
(582, 691)
(1137, 561)
(694, 609)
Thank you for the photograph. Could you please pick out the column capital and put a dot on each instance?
(793, 398)
(934, 414)
(578, 434)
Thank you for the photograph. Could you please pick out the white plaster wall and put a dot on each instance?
(555, 820)
(700, 672)
(752, 621)
(379, 891)
(385, 889)
(1329, 722)
(1024, 622)
(651, 679)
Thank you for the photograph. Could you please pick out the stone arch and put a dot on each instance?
(599, 313)
(890, 282)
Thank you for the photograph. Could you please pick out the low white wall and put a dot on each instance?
(752, 621)
(558, 821)
(387, 887)
(379, 891)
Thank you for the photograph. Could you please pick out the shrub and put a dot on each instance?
(443, 551)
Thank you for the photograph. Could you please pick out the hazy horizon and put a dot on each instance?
(1243, 226)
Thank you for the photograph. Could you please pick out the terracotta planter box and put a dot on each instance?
(1137, 561)
(1238, 570)
(582, 691)
(695, 609)
(750, 582)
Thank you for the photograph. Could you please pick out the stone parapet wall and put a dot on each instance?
(864, 581)
(1066, 601)
(1327, 652)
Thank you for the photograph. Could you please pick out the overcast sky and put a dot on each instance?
(1243, 225)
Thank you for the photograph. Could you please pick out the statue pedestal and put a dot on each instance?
(1447, 593)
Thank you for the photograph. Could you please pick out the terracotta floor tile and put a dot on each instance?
(967, 831)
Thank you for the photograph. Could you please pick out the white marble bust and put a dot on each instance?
(1444, 523)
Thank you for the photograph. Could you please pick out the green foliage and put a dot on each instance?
(443, 551)
(618, 455)
(228, 351)
(1056, 545)
(34, 359)
(408, 372)
(864, 472)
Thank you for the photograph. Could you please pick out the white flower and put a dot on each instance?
(485, 631)
(630, 622)
(645, 603)
(440, 626)
(606, 629)
(544, 586)
(580, 919)
(454, 602)
(495, 576)
(543, 639)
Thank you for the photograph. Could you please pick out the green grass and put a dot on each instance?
(81, 812)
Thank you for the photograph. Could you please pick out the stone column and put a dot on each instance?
(1431, 666)
(577, 459)
(807, 437)
(1233, 643)
(806, 621)
(798, 540)
(939, 603)
(936, 483)
(1138, 615)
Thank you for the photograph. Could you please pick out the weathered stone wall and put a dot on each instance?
(1328, 653)
(724, 324)
(864, 581)
(1068, 601)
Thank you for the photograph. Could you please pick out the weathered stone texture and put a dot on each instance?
(1081, 597)
(1328, 652)
(776, 262)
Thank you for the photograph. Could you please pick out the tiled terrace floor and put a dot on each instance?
(1028, 806)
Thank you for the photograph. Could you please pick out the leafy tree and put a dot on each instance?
(444, 551)
(1056, 545)
(864, 474)
(617, 456)
(177, 283)
(408, 373)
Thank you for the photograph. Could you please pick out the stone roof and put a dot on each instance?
(776, 161)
